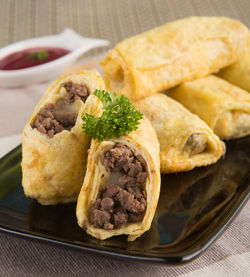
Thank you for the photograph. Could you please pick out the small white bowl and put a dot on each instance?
(67, 39)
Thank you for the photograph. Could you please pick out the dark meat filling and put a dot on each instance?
(75, 92)
(119, 204)
(196, 144)
(54, 118)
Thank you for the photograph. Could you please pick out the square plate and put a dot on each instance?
(194, 209)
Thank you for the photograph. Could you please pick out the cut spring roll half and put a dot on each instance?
(173, 53)
(122, 185)
(238, 74)
(185, 140)
(224, 107)
(54, 146)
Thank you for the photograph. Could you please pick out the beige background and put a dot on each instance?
(113, 20)
(110, 19)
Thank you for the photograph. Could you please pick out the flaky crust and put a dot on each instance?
(143, 142)
(174, 124)
(54, 168)
(224, 107)
(179, 51)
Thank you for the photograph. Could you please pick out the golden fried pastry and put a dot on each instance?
(224, 107)
(171, 54)
(185, 140)
(54, 145)
(121, 186)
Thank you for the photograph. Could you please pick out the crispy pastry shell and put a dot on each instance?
(224, 107)
(143, 142)
(54, 168)
(174, 124)
(179, 51)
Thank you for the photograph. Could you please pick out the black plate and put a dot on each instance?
(194, 209)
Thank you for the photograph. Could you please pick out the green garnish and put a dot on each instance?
(39, 55)
(119, 117)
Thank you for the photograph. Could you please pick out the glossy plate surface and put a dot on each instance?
(194, 209)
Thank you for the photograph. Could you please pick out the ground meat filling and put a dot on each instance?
(119, 204)
(59, 116)
(196, 144)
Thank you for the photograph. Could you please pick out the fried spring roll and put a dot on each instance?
(224, 107)
(185, 140)
(166, 56)
(54, 146)
(122, 185)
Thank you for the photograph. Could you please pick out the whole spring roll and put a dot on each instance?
(238, 74)
(166, 56)
(185, 140)
(54, 146)
(122, 185)
(224, 107)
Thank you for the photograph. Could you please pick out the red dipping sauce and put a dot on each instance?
(32, 57)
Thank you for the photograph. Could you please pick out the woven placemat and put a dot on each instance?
(114, 20)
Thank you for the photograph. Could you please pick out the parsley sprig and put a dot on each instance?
(119, 117)
(39, 55)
